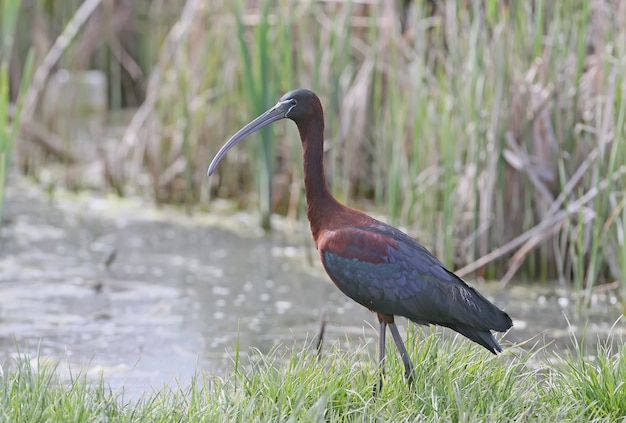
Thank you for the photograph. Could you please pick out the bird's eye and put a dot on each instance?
(293, 103)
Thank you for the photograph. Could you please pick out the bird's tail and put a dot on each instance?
(482, 337)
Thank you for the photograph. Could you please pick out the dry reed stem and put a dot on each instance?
(518, 158)
(50, 142)
(61, 44)
(610, 253)
(130, 140)
(543, 228)
(516, 261)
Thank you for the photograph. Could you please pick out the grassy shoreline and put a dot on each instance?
(455, 381)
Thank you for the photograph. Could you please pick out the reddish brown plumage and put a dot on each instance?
(366, 247)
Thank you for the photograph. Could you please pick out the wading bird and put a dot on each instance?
(375, 264)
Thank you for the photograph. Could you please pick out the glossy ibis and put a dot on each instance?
(371, 262)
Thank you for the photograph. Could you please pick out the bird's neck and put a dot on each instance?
(320, 204)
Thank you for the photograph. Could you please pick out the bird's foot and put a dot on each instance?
(410, 378)
(378, 386)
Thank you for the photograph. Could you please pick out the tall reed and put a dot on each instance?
(10, 109)
(492, 131)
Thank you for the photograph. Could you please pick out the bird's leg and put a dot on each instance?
(408, 364)
(381, 357)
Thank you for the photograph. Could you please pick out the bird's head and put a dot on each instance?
(298, 105)
(302, 104)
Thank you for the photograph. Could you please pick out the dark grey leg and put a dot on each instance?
(381, 357)
(408, 364)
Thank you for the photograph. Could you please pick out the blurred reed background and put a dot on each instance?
(493, 130)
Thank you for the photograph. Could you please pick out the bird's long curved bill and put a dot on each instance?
(279, 111)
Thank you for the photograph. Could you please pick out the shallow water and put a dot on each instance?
(147, 297)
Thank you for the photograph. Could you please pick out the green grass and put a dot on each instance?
(455, 381)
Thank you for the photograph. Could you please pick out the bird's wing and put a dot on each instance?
(388, 272)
